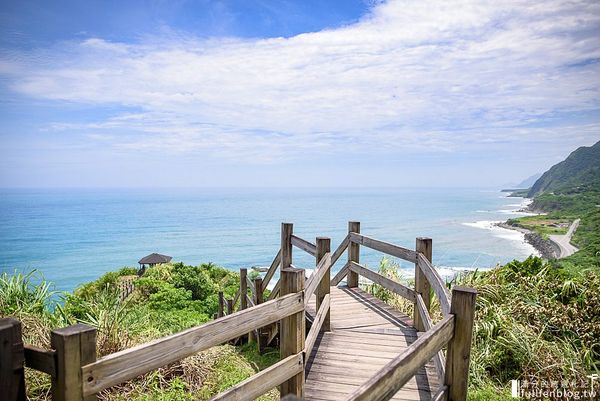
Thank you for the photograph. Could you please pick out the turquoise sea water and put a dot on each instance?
(73, 236)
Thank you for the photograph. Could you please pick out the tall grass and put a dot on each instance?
(24, 293)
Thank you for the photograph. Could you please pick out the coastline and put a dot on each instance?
(546, 248)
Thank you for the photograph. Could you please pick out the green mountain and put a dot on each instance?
(580, 172)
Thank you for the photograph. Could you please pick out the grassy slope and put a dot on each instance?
(168, 299)
(533, 320)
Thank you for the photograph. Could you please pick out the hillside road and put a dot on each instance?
(564, 241)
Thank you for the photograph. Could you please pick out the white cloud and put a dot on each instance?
(427, 75)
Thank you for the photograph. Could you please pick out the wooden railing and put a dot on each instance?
(453, 331)
(77, 374)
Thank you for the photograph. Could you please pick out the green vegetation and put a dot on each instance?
(542, 224)
(168, 298)
(578, 173)
(534, 320)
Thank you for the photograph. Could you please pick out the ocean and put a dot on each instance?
(74, 236)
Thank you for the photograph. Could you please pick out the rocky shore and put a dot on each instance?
(547, 248)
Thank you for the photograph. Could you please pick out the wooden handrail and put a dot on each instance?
(237, 296)
(389, 379)
(385, 282)
(340, 275)
(311, 337)
(314, 280)
(303, 244)
(439, 360)
(250, 285)
(40, 359)
(385, 247)
(127, 364)
(275, 292)
(264, 380)
(272, 269)
(340, 250)
(436, 282)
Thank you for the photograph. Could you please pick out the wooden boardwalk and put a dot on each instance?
(365, 335)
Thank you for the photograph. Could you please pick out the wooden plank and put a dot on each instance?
(287, 230)
(75, 346)
(384, 384)
(12, 372)
(237, 296)
(340, 275)
(459, 348)
(340, 250)
(385, 282)
(436, 282)
(438, 359)
(229, 306)
(263, 381)
(385, 247)
(127, 364)
(304, 245)
(250, 285)
(275, 292)
(316, 277)
(292, 331)
(311, 337)
(221, 308)
(441, 394)
(353, 253)
(271, 271)
(243, 288)
(40, 359)
(422, 285)
(324, 287)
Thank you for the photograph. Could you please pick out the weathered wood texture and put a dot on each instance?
(323, 289)
(40, 359)
(12, 372)
(353, 252)
(436, 282)
(438, 360)
(365, 335)
(340, 250)
(127, 364)
(422, 285)
(315, 279)
(383, 281)
(292, 329)
(271, 271)
(303, 244)
(340, 275)
(387, 381)
(75, 347)
(315, 329)
(382, 246)
(287, 230)
(264, 380)
(459, 348)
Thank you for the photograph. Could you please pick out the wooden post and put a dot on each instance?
(353, 254)
(75, 347)
(243, 292)
(459, 347)
(292, 330)
(221, 305)
(12, 361)
(263, 335)
(287, 229)
(229, 306)
(323, 246)
(422, 286)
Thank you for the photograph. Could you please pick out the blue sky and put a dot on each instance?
(294, 93)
